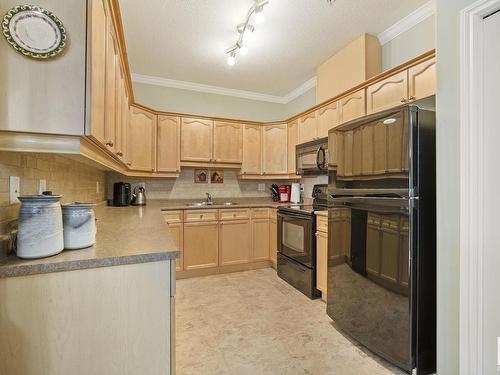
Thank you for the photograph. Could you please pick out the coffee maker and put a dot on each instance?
(121, 194)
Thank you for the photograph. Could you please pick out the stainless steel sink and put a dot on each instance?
(227, 204)
(203, 204)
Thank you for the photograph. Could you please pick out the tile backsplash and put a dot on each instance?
(73, 180)
(185, 188)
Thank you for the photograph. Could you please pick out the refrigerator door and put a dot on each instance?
(374, 155)
(370, 252)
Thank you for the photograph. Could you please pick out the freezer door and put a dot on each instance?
(369, 274)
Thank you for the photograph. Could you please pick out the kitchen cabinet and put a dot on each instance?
(352, 106)
(252, 150)
(260, 239)
(201, 245)
(177, 233)
(234, 242)
(329, 117)
(119, 126)
(273, 236)
(388, 93)
(169, 136)
(422, 80)
(356, 151)
(196, 140)
(142, 140)
(367, 154)
(110, 82)
(348, 150)
(275, 150)
(98, 70)
(394, 147)
(322, 254)
(308, 127)
(293, 140)
(228, 138)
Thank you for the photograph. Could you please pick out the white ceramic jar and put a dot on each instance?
(79, 225)
(40, 232)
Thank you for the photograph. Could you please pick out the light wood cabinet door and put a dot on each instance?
(352, 106)
(308, 127)
(228, 138)
(118, 146)
(293, 140)
(367, 149)
(357, 139)
(329, 117)
(347, 171)
(196, 140)
(142, 140)
(177, 233)
(169, 137)
(321, 262)
(234, 242)
(260, 239)
(273, 238)
(201, 245)
(275, 148)
(422, 80)
(388, 93)
(252, 149)
(98, 71)
(111, 78)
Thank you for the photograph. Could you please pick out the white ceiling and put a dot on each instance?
(185, 40)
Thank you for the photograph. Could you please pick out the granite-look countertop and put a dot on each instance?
(125, 235)
(182, 204)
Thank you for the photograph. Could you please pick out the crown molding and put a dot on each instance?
(405, 24)
(199, 87)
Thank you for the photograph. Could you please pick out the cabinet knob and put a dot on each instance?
(129, 163)
(119, 153)
(403, 100)
(110, 143)
(412, 98)
(152, 169)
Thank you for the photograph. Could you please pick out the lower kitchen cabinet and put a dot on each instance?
(273, 236)
(260, 239)
(201, 245)
(234, 242)
(322, 254)
(177, 233)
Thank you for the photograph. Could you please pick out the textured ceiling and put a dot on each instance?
(185, 39)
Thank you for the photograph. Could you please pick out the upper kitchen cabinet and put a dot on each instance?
(252, 154)
(293, 140)
(422, 80)
(388, 93)
(228, 142)
(275, 151)
(329, 117)
(169, 136)
(110, 92)
(352, 106)
(48, 96)
(308, 127)
(196, 140)
(142, 140)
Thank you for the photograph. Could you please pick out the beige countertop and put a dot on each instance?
(179, 204)
(321, 213)
(125, 235)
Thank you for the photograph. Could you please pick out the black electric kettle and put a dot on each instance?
(121, 194)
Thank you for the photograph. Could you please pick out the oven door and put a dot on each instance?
(295, 239)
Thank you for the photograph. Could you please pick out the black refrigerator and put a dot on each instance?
(382, 235)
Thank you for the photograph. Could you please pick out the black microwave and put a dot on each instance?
(312, 157)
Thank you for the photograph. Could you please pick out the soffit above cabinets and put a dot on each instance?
(185, 40)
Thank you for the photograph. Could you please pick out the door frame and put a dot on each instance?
(471, 178)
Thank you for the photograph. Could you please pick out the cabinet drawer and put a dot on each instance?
(260, 213)
(172, 216)
(234, 214)
(200, 215)
(322, 224)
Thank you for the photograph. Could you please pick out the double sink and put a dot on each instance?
(204, 203)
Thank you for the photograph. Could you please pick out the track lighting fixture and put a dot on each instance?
(245, 30)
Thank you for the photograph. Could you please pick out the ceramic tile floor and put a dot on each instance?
(254, 323)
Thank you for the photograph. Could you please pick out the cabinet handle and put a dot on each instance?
(412, 98)
(109, 143)
(119, 153)
(403, 100)
(129, 163)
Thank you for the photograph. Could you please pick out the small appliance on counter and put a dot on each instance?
(295, 194)
(79, 225)
(40, 232)
(297, 242)
(284, 193)
(121, 194)
(275, 193)
(139, 196)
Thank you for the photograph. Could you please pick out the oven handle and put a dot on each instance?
(290, 215)
(319, 164)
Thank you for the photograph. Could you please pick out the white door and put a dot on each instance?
(491, 194)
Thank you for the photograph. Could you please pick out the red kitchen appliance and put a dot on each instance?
(284, 193)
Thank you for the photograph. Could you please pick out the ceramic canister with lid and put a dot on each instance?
(40, 232)
(79, 225)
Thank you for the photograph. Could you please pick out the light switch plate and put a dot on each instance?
(42, 186)
(261, 187)
(14, 189)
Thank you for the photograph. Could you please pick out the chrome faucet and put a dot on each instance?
(209, 198)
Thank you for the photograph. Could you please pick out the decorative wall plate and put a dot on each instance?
(34, 31)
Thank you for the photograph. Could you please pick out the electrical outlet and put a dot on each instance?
(261, 187)
(42, 186)
(14, 189)
(97, 189)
